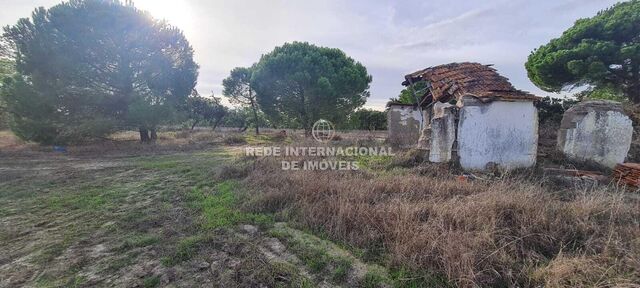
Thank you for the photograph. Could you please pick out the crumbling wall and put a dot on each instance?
(597, 131)
(443, 132)
(403, 125)
(498, 133)
(424, 141)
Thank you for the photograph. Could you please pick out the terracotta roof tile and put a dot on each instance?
(458, 79)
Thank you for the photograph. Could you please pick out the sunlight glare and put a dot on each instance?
(177, 12)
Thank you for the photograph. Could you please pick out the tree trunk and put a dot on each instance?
(307, 125)
(144, 135)
(304, 116)
(255, 116)
(194, 124)
(633, 91)
(634, 95)
(307, 130)
(215, 124)
(154, 135)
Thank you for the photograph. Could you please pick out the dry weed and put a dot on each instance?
(505, 232)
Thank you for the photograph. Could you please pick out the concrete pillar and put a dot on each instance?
(443, 132)
(424, 142)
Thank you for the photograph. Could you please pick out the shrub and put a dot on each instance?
(231, 171)
(235, 139)
(183, 134)
(409, 158)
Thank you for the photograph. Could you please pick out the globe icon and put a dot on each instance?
(323, 131)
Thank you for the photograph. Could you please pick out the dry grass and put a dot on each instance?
(118, 144)
(513, 230)
(506, 232)
(235, 139)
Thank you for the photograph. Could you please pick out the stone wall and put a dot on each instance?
(497, 133)
(404, 124)
(596, 131)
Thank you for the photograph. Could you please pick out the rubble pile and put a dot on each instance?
(628, 173)
(572, 178)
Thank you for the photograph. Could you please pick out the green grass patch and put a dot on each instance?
(51, 252)
(337, 260)
(373, 280)
(186, 248)
(122, 262)
(85, 199)
(315, 254)
(403, 278)
(341, 270)
(69, 278)
(315, 259)
(374, 161)
(159, 162)
(72, 281)
(220, 208)
(76, 281)
(45, 280)
(304, 244)
(137, 241)
(56, 249)
(162, 163)
(235, 139)
(136, 199)
(281, 274)
(150, 282)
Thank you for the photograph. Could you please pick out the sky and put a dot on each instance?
(390, 38)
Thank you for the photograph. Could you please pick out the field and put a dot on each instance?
(191, 210)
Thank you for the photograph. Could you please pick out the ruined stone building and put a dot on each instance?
(597, 131)
(471, 114)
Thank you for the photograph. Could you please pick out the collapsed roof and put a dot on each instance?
(452, 81)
